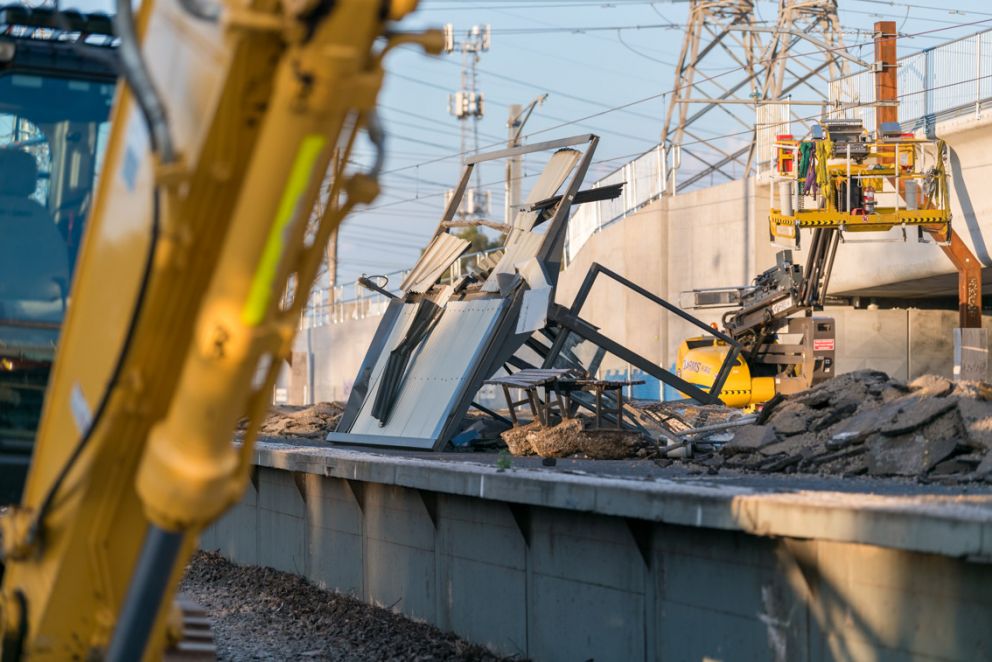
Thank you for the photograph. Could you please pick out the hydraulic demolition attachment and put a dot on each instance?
(779, 353)
(842, 179)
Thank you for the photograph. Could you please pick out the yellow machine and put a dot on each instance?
(843, 179)
(205, 231)
(700, 359)
(851, 180)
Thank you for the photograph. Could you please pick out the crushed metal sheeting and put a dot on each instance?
(441, 340)
(442, 252)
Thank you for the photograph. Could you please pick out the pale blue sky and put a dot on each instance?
(615, 54)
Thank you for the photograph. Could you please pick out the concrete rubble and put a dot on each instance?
(312, 422)
(867, 423)
(861, 423)
(574, 438)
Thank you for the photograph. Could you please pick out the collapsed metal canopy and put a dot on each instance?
(441, 339)
(444, 337)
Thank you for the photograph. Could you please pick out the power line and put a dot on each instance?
(431, 119)
(949, 10)
(544, 88)
(580, 120)
(751, 131)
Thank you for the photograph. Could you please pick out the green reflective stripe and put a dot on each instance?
(299, 178)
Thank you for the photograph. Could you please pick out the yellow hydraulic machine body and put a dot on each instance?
(699, 361)
(206, 232)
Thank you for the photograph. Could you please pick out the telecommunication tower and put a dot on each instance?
(468, 106)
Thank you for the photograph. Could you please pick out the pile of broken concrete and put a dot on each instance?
(311, 421)
(576, 437)
(867, 423)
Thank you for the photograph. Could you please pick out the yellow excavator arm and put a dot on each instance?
(205, 234)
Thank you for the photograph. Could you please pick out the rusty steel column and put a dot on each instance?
(969, 281)
(886, 82)
(968, 267)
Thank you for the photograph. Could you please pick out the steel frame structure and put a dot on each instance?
(798, 55)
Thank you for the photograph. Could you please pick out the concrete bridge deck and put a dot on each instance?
(627, 560)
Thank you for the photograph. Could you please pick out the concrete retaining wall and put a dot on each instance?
(711, 574)
(335, 355)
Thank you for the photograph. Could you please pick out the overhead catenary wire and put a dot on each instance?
(658, 95)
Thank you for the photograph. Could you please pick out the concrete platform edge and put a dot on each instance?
(949, 526)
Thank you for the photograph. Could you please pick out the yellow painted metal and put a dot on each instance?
(246, 97)
(877, 168)
(885, 219)
(699, 361)
(299, 177)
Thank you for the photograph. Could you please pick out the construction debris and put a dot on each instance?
(866, 423)
(313, 421)
(861, 423)
(573, 437)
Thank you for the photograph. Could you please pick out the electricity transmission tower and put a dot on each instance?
(736, 72)
(468, 106)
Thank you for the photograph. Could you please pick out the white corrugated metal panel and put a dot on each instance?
(524, 247)
(440, 254)
(554, 174)
(436, 371)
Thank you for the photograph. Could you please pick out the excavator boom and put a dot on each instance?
(206, 231)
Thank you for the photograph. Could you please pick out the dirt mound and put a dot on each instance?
(867, 423)
(313, 421)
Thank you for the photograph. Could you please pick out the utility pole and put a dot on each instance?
(514, 165)
(468, 106)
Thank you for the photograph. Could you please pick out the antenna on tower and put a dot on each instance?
(468, 106)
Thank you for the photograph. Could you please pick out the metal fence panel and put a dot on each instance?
(950, 80)
(644, 181)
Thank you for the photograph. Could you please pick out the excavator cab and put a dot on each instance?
(57, 82)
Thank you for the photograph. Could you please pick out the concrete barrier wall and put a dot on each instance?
(336, 353)
(553, 584)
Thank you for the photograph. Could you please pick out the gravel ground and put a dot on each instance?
(262, 614)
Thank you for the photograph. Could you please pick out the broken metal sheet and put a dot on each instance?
(442, 252)
(391, 380)
(534, 311)
(435, 375)
(533, 274)
(559, 165)
(532, 377)
(524, 249)
(440, 368)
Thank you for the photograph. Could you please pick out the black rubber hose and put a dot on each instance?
(144, 595)
(135, 71)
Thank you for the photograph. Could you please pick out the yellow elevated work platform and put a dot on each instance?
(855, 182)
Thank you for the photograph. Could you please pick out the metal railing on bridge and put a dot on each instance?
(644, 181)
(950, 80)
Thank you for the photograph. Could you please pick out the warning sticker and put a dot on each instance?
(823, 345)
